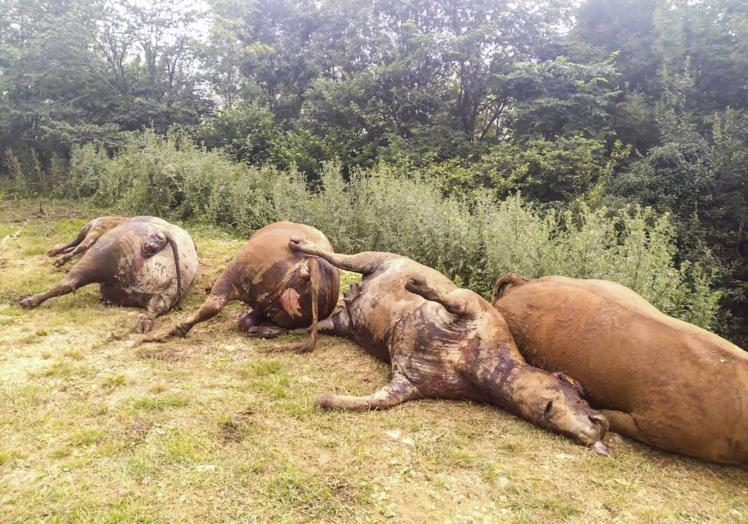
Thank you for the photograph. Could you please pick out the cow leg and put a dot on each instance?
(66, 248)
(265, 329)
(457, 301)
(209, 309)
(364, 263)
(248, 320)
(82, 247)
(337, 324)
(158, 305)
(253, 324)
(399, 390)
(624, 424)
(70, 283)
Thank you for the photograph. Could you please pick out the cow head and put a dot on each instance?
(554, 402)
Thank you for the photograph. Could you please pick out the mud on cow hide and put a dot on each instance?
(444, 342)
(142, 261)
(283, 289)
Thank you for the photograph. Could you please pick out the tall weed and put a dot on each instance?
(385, 209)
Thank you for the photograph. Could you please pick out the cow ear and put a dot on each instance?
(563, 377)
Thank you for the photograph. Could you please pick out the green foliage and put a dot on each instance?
(14, 172)
(548, 171)
(384, 209)
(633, 247)
(560, 97)
(599, 102)
(77, 71)
(244, 131)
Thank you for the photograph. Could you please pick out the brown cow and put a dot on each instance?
(134, 268)
(444, 342)
(656, 379)
(86, 238)
(283, 289)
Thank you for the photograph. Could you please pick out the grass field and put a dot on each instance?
(217, 427)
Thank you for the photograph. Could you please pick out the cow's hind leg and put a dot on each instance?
(399, 390)
(70, 283)
(81, 248)
(457, 301)
(66, 248)
(364, 263)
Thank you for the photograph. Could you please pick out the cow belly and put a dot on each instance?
(113, 294)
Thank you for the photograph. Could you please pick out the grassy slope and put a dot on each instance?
(216, 428)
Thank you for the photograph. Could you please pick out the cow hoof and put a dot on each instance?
(600, 448)
(27, 303)
(304, 347)
(144, 324)
(300, 244)
(326, 400)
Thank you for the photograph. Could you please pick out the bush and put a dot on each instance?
(14, 172)
(385, 209)
(634, 247)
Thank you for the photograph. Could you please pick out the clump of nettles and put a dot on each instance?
(474, 240)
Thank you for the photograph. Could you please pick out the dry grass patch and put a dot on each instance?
(216, 427)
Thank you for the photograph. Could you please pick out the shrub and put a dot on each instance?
(389, 209)
(14, 172)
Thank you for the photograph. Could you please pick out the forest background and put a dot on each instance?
(607, 138)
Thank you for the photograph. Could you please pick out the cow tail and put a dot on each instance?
(314, 281)
(175, 252)
(504, 283)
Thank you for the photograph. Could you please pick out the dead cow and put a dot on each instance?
(134, 268)
(283, 289)
(655, 378)
(445, 342)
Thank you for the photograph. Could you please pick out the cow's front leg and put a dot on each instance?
(399, 390)
(209, 309)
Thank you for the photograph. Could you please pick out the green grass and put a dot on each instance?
(213, 428)
(158, 402)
